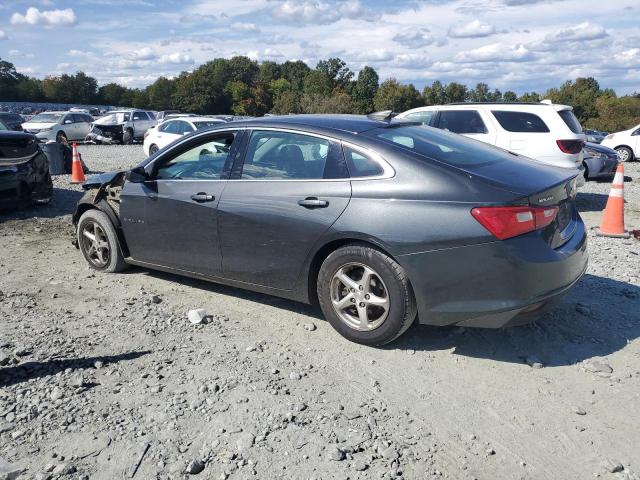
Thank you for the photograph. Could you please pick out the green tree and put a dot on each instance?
(615, 114)
(286, 103)
(580, 94)
(336, 71)
(479, 94)
(529, 97)
(317, 83)
(203, 90)
(341, 102)
(9, 80)
(112, 94)
(396, 97)
(434, 94)
(455, 92)
(364, 90)
(242, 69)
(160, 94)
(294, 72)
(510, 96)
(268, 72)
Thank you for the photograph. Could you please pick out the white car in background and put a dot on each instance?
(163, 134)
(543, 131)
(626, 143)
(59, 126)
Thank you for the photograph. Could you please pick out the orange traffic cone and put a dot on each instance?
(77, 173)
(612, 224)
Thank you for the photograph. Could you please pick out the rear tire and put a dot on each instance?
(98, 242)
(625, 154)
(586, 172)
(378, 307)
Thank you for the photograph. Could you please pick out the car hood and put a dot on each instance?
(17, 147)
(95, 181)
(37, 126)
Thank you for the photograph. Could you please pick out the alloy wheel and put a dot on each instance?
(359, 297)
(623, 154)
(95, 244)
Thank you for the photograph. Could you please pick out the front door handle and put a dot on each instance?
(202, 197)
(313, 202)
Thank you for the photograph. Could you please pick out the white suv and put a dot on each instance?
(545, 132)
(626, 143)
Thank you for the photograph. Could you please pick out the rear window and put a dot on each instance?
(520, 122)
(571, 120)
(461, 121)
(442, 146)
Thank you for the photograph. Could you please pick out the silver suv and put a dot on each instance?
(122, 126)
(59, 126)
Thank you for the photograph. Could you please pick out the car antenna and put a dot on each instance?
(383, 116)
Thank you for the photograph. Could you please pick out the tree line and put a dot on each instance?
(242, 86)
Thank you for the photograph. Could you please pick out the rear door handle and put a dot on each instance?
(202, 197)
(313, 202)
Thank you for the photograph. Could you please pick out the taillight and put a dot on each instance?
(570, 146)
(507, 222)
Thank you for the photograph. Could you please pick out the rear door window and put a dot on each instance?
(140, 116)
(275, 155)
(570, 119)
(461, 121)
(520, 122)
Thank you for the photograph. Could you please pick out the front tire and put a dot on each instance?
(98, 242)
(625, 154)
(586, 171)
(153, 149)
(365, 295)
(127, 137)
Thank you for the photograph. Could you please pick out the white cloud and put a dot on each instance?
(245, 27)
(496, 52)
(321, 13)
(414, 39)
(144, 53)
(412, 61)
(52, 18)
(474, 29)
(3, 35)
(581, 32)
(176, 58)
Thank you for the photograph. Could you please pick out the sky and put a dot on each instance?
(520, 45)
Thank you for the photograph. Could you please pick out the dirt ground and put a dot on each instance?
(103, 377)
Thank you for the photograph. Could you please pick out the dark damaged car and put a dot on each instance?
(376, 222)
(24, 171)
(121, 127)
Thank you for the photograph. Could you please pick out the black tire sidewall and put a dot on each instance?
(153, 149)
(399, 291)
(116, 258)
(127, 137)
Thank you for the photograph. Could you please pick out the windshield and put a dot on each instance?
(115, 118)
(200, 125)
(442, 146)
(46, 118)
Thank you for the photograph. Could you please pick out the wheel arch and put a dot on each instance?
(623, 145)
(86, 204)
(327, 249)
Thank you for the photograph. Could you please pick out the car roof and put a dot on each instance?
(514, 106)
(329, 122)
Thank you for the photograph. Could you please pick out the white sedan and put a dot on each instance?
(162, 135)
(626, 143)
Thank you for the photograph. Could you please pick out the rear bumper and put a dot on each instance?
(601, 167)
(495, 284)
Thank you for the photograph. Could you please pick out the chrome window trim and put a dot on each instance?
(387, 170)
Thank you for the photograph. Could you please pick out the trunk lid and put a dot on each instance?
(563, 196)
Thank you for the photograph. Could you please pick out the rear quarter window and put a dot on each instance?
(520, 122)
(570, 119)
(361, 165)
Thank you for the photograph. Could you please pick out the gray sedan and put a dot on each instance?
(377, 222)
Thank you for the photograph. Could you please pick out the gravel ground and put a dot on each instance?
(103, 376)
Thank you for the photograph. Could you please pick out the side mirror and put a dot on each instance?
(137, 175)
